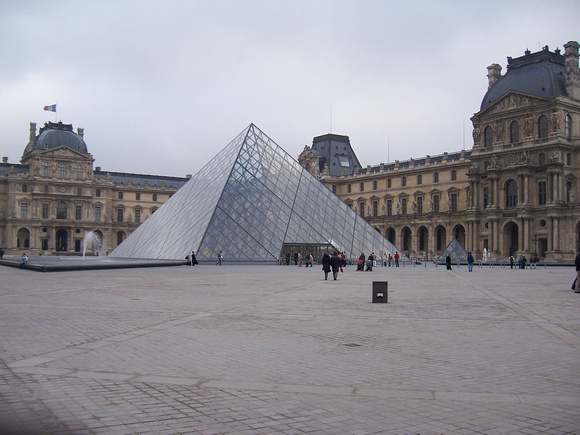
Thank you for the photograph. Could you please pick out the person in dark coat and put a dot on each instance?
(577, 262)
(335, 264)
(326, 264)
(470, 262)
(448, 261)
(193, 259)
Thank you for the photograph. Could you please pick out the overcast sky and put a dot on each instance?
(160, 87)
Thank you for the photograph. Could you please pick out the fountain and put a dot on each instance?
(92, 241)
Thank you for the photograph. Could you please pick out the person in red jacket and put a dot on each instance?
(397, 256)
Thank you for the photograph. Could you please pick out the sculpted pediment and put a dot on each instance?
(64, 152)
(512, 100)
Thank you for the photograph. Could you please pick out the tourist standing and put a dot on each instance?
(397, 256)
(326, 265)
(193, 259)
(23, 260)
(448, 261)
(470, 262)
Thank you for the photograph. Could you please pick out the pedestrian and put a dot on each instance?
(361, 262)
(23, 260)
(385, 259)
(512, 260)
(220, 258)
(300, 259)
(188, 258)
(1, 254)
(287, 258)
(193, 259)
(296, 259)
(309, 259)
(470, 262)
(390, 259)
(522, 262)
(335, 264)
(397, 256)
(343, 259)
(577, 282)
(448, 261)
(326, 265)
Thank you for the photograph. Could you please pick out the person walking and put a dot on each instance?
(512, 261)
(448, 261)
(326, 265)
(220, 258)
(470, 262)
(193, 259)
(335, 264)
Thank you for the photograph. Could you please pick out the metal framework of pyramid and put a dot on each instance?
(249, 201)
(457, 252)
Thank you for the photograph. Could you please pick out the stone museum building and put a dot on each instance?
(512, 193)
(54, 197)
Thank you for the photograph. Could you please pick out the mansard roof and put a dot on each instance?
(541, 74)
(54, 135)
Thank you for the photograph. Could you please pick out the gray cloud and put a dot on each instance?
(162, 86)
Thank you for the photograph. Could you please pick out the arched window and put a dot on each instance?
(514, 132)
(568, 126)
(61, 210)
(511, 193)
(46, 169)
(543, 127)
(61, 170)
(487, 137)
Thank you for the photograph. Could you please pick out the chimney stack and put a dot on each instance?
(493, 74)
(4, 159)
(572, 70)
(81, 132)
(32, 135)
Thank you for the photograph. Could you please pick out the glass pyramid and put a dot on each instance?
(248, 202)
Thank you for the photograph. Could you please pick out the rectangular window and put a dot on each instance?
(97, 213)
(453, 175)
(361, 209)
(120, 195)
(343, 161)
(453, 202)
(138, 196)
(375, 208)
(436, 204)
(137, 216)
(45, 211)
(349, 188)
(78, 212)
(420, 204)
(404, 181)
(154, 197)
(24, 210)
(120, 213)
(24, 188)
(389, 183)
(362, 187)
(44, 244)
(419, 179)
(404, 206)
(542, 193)
(375, 185)
(485, 197)
(389, 207)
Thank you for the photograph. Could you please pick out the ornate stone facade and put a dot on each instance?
(513, 193)
(54, 197)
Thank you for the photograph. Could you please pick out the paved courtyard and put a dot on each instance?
(276, 349)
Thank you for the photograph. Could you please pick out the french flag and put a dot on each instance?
(50, 108)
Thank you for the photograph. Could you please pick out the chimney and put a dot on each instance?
(493, 74)
(32, 132)
(572, 71)
(81, 132)
(4, 159)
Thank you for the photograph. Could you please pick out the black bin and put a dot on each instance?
(380, 292)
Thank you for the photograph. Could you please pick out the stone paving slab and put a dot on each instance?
(276, 349)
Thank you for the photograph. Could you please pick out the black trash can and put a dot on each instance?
(380, 292)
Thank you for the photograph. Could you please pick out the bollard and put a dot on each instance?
(380, 292)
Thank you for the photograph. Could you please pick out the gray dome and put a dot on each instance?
(54, 135)
(542, 74)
